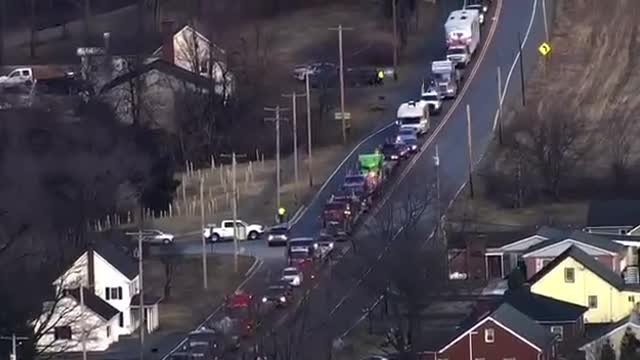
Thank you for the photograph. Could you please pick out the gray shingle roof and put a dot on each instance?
(588, 261)
(119, 259)
(95, 303)
(600, 242)
(614, 213)
(542, 308)
(522, 325)
(551, 233)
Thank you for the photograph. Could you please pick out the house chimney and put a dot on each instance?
(91, 271)
(167, 42)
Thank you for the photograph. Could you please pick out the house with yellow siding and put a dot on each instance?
(578, 278)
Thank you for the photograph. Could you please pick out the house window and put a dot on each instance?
(108, 331)
(113, 293)
(557, 330)
(632, 299)
(489, 335)
(593, 302)
(121, 320)
(569, 275)
(62, 333)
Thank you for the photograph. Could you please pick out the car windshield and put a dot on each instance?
(430, 97)
(410, 141)
(301, 243)
(410, 120)
(353, 180)
(278, 231)
(290, 272)
(334, 206)
(407, 132)
(389, 148)
(456, 51)
(275, 290)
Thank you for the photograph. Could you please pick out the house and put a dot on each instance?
(602, 249)
(576, 277)
(169, 92)
(111, 279)
(75, 316)
(504, 333)
(559, 317)
(613, 334)
(614, 217)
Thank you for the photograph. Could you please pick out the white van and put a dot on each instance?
(414, 114)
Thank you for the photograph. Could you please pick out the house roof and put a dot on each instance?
(149, 299)
(490, 239)
(514, 322)
(185, 28)
(587, 261)
(522, 325)
(543, 309)
(544, 233)
(119, 259)
(599, 242)
(94, 303)
(614, 213)
(163, 67)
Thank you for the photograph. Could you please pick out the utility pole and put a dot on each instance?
(3, 11)
(340, 29)
(524, 99)
(14, 342)
(294, 97)
(394, 14)
(500, 139)
(470, 150)
(436, 162)
(84, 331)
(205, 272)
(140, 279)
(277, 118)
(234, 205)
(310, 158)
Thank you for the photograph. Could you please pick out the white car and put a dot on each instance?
(293, 276)
(157, 237)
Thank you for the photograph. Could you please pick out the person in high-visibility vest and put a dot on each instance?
(380, 77)
(281, 214)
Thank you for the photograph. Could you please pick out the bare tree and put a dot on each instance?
(619, 128)
(169, 260)
(552, 140)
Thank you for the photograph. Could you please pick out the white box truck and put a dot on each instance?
(463, 36)
(414, 115)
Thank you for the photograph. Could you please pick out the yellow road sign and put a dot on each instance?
(544, 49)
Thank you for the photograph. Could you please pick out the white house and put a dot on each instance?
(111, 279)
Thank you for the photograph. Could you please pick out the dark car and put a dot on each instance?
(278, 235)
(395, 152)
(279, 295)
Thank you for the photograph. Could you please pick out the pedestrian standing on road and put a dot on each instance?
(380, 77)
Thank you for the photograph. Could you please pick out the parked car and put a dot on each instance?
(279, 295)
(292, 275)
(226, 230)
(278, 235)
(155, 237)
(314, 69)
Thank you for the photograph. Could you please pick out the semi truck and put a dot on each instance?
(463, 36)
(446, 77)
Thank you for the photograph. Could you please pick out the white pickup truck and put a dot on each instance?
(225, 231)
(29, 75)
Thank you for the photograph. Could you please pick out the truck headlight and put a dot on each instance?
(485, 8)
(264, 299)
(283, 299)
(271, 237)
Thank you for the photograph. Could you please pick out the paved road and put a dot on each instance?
(347, 299)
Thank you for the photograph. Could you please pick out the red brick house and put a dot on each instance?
(505, 333)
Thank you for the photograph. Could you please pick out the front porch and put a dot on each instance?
(151, 312)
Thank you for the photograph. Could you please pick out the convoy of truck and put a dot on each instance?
(359, 191)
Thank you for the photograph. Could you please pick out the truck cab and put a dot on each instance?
(446, 77)
(431, 95)
(21, 76)
(414, 114)
(459, 55)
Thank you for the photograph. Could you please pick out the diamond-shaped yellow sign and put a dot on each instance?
(544, 49)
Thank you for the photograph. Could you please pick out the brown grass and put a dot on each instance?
(189, 303)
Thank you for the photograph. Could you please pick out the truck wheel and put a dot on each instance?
(214, 238)
(253, 235)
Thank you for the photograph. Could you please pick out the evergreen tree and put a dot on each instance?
(629, 346)
(607, 352)
(516, 279)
